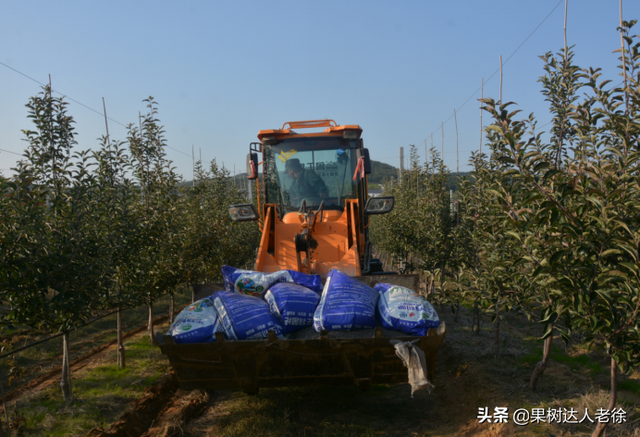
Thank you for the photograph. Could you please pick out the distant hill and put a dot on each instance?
(241, 180)
(452, 183)
(381, 172)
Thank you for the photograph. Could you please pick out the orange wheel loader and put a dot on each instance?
(314, 211)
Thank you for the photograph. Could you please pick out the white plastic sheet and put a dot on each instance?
(413, 359)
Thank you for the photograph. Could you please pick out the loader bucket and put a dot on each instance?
(303, 358)
(306, 358)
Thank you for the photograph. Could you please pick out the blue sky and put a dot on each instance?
(222, 70)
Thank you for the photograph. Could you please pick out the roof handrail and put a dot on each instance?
(309, 124)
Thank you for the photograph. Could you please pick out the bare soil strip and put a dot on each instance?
(184, 407)
(136, 421)
(54, 376)
(467, 377)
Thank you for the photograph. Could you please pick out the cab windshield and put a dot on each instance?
(310, 169)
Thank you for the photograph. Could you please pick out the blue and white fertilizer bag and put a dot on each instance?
(244, 317)
(197, 323)
(346, 304)
(257, 283)
(292, 304)
(404, 310)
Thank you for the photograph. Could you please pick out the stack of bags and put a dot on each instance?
(254, 303)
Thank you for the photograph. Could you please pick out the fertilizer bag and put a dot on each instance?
(257, 283)
(244, 317)
(346, 304)
(292, 304)
(404, 310)
(197, 323)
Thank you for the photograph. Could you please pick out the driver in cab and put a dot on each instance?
(306, 183)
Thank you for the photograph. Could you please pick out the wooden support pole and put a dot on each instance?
(455, 119)
(500, 79)
(481, 97)
(442, 129)
(106, 123)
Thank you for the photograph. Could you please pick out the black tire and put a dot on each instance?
(375, 266)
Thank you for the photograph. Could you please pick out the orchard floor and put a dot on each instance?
(468, 377)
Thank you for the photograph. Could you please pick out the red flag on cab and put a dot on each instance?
(359, 168)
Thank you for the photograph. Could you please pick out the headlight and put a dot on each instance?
(350, 135)
(243, 213)
(379, 205)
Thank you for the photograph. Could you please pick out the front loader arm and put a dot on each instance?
(267, 242)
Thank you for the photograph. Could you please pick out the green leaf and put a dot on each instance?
(514, 235)
(550, 318)
(557, 256)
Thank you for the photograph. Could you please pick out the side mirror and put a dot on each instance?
(367, 160)
(379, 205)
(252, 166)
(243, 213)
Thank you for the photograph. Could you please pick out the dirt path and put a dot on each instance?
(54, 376)
(143, 412)
(468, 377)
(450, 410)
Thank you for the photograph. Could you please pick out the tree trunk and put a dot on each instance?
(65, 383)
(496, 332)
(457, 312)
(193, 293)
(542, 365)
(6, 415)
(476, 311)
(120, 346)
(612, 399)
(150, 324)
(171, 305)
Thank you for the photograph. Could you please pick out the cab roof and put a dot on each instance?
(332, 129)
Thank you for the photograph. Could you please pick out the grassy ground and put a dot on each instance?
(101, 393)
(40, 359)
(468, 377)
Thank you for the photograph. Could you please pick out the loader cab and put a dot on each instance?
(311, 168)
(313, 207)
